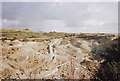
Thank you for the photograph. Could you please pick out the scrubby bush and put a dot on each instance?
(110, 69)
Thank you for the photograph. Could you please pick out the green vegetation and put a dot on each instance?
(20, 34)
(23, 34)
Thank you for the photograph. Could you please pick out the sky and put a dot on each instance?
(76, 17)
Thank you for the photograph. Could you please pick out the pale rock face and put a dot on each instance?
(23, 76)
(86, 46)
(7, 41)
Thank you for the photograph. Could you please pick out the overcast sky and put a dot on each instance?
(61, 16)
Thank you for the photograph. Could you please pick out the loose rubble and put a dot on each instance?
(67, 58)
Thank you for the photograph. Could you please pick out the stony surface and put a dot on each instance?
(48, 59)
